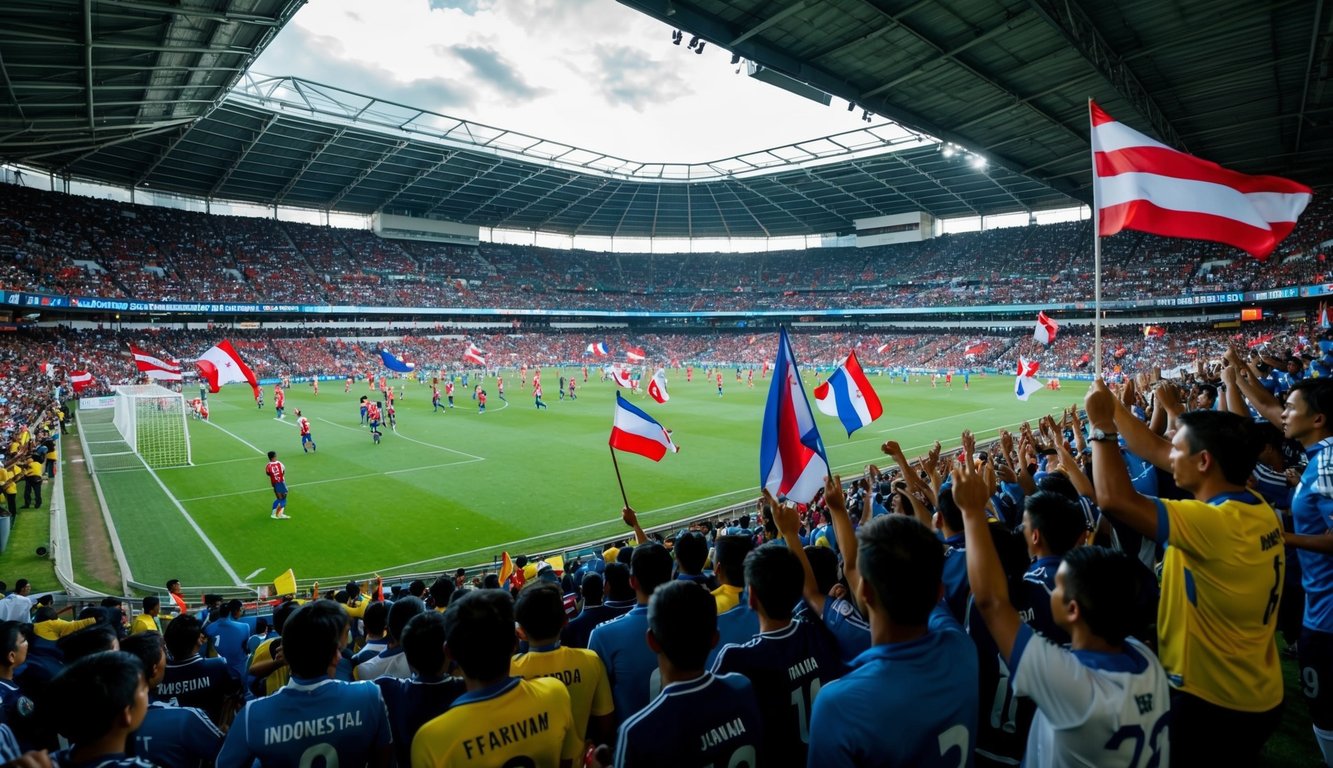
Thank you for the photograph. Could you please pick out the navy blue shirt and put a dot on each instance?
(199, 682)
(737, 625)
(176, 737)
(710, 720)
(413, 702)
(579, 629)
(631, 666)
(956, 586)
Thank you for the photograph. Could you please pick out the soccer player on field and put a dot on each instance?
(279, 401)
(365, 410)
(921, 669)
(449, 392)
(314, 385)
(788, 662)
(699, 718)
(537, 393)
(573, 395)
(481, 400)
(373, 418)
(259, 398)
(501, 720)
(347, 386)
(277, 475)
(541, 617)
(391, 416)
(304, 424)
(719, 383)
(500, 387)
(435, 398)
(314, 719)
(1105, 701)
(689, 374)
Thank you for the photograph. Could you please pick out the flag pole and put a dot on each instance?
(620, 482)
(1096, 259)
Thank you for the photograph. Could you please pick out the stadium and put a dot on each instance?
(457, 314)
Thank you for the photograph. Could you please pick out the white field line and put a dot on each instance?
(472, 456)
(239, 439)
(190, 520)
(256, 573)
(207, 464)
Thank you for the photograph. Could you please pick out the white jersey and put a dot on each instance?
(1107, 710)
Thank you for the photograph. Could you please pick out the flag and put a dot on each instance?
(657, 388)
(637, 432)
(880, 349)
(848, 395)
(1144, 185)
(1325, 320)
(156, 367)
(395, 363)
(791, 455)
(506, 568)
(80, 380)
(474, 355)
(222, 365)
(635, 354)
(621, 375)
(285, 584)
(977, 348)
(1026, 383)
(1153, 331)
(50, 368)
(599, 349)
(1046, 329)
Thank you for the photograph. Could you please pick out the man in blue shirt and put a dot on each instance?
(700, 718)
(229, 636)
(414, 701)
(920, 673)
(313, 717)
(175, 737)
(631, 665)
(619, 599)
(949, 521)
(191, 680)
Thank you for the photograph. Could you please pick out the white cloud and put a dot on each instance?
(591, 73)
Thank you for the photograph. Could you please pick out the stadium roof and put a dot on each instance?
(139, 93)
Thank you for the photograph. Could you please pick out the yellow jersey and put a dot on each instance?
(11, 477)
(1221, 584)
(34, 469)
(728, 597)
(145, 623)
(278, 677)
(515, 722)
(57, 628)
(582, 673)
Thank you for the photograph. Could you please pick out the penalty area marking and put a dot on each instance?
(472, 456)
(334, 480)
(238, 438)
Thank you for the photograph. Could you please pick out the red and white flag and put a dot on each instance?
(1046, 329)
(657, 388)
(1026, 382)
(156, 367)
(80, 380)
(474, 355)
(622, 376)
(221, 364)
(1144, 185)
(635, 354)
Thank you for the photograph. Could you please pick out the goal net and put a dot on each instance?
(151, 419)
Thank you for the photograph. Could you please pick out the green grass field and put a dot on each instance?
(458, 488)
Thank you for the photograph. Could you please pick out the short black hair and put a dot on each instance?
(479, 632)
(441, 590)
(234, 607)
(1057, 483)
(824, 562)
(170, 582)
(151, 602)
(903, 562)
(948, 509)
(376, 617)
(20, 584)
(182, 636)
(401, 612)
(282, 613)
(592, 588)
(729, 557)
(272, 455)
(691, 552)
(312, 635)
(10, 632)
(682, 616)
(423, 643)
(1228, 437)
(93, 691)
(617, 582)
(775, 578)
(650, 566)
(540, 610)
(1061, 521)
(147, 647)
(417, 588)
(1105, 584)
(1318, 395)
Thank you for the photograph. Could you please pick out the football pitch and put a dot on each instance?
(458, 488)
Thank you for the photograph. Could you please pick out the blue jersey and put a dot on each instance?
(848, 628)
(413, 702)
(579, 630)
(198, 682)
(736, 626)
(631, 665)
(229, 638)
(177, 737)
(65, 759)
(328, 721)
(1312, 515)
(710, 720)
(956, 587)
(916, 704)
(1035, 602)
(787, 668)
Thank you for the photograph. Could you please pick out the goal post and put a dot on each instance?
(151, 419)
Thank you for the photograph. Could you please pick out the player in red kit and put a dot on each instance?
(304, 425)
(279, 401)
(689, 374)
(481, 400)
(277, 476)
(719, 383)
(373, 416)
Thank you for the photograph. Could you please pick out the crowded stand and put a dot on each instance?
(81, 246)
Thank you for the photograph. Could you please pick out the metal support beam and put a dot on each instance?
(196, 13)
(314, 156)
(1317, 29)
(226, 175)
(918, 69)
(423, 173)
(88, 59)
(766, 23)
(1082, 34)
(360, 177)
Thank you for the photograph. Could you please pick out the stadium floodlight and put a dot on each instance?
(978, 162)
(151, 420)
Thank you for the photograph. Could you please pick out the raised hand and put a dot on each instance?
(833, 493)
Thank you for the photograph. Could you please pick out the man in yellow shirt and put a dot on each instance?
(729, 566)
(541, 616)
(9, 479)
(47, 626)
(1221, 576)
(501, 720)
(148, 621)
(32, 483)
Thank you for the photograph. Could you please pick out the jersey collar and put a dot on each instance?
(489, 692)
(1319, 446)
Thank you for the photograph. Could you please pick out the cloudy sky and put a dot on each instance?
(591, 73)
